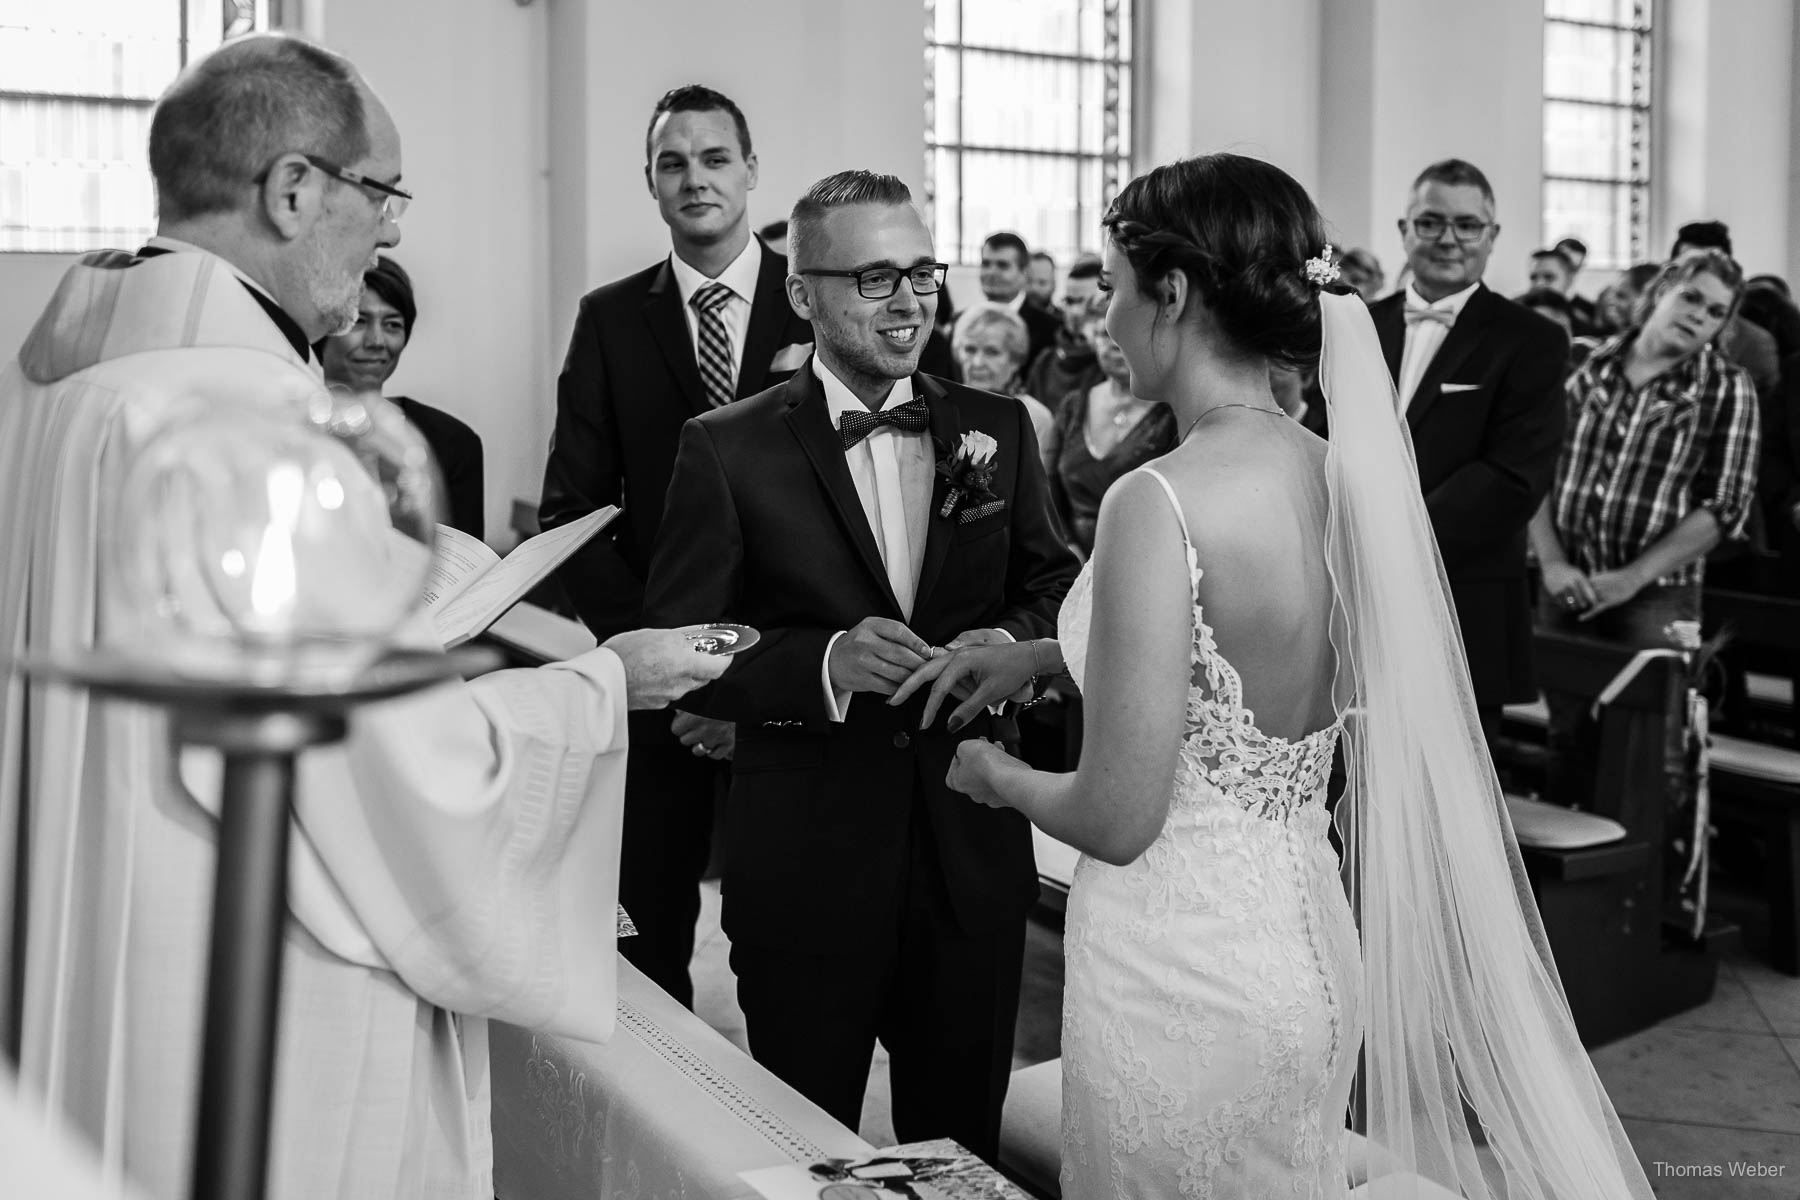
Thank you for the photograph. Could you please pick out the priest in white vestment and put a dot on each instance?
(455, 859)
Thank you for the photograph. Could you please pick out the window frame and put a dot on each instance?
(1116, 157)
(1640, 185)
(236, 17)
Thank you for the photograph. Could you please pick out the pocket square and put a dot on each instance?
(1447, 388)
(791, 357)
(979, 511)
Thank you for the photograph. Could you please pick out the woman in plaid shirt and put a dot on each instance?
(1658, 466)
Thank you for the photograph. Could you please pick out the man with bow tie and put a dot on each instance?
(696, 330)
(1479, 379)
(863, 516)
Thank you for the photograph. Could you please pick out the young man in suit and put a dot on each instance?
(1480, 386)
(1005, 280)
(862, 516)
(692, 332)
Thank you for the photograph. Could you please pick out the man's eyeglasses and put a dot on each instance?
(878, 283)
(1465, 229)
(393, 200)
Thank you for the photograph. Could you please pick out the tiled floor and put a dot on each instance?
(1713, 1089)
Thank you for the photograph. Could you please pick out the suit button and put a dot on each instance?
(901, 741)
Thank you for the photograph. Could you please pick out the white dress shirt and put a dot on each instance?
(740, 277)
(893, 471)
(1424, 337)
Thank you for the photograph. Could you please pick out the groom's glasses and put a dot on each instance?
(878, 283)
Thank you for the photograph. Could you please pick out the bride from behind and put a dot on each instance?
(1253, 597)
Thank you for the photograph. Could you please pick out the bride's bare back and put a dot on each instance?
(1252, 488)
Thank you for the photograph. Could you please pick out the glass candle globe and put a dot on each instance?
(274, 545)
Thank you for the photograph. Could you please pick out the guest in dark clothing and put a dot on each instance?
(364, 358)
(1776, 570)
(1619, 300)
(1555, 306)
(1005, 263)
(1101, 432)
(1768, 304)
(1069, 362)
(1658, 465)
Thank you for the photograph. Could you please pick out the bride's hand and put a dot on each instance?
(977, 675)
(978, 770)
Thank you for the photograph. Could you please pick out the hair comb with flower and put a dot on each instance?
(1321, 270)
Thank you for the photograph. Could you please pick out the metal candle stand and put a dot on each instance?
(260, 728)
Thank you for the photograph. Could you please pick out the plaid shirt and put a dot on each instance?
(1635, 462)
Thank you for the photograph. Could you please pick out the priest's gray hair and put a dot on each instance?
(842, 190)
(229, 116)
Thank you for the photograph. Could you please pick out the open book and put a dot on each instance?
(470, 586)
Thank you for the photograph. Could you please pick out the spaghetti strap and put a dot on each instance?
(1169, 491)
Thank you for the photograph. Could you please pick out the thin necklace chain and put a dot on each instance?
(1215, 408)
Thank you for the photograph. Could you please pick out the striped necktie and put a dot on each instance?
(715, 345)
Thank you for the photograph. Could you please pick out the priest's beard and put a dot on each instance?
(334, 293)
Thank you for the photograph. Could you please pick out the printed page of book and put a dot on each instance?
(459, 559)
(505, 582)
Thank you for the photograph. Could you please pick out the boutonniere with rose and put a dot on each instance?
(969, 470)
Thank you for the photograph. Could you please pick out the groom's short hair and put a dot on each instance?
(842, 190)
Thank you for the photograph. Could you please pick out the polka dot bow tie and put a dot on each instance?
(854, 426)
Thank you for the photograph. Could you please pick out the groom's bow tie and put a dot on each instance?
(1442, 316)
(854, 426)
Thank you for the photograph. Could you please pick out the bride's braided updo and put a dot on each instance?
(1242, 231)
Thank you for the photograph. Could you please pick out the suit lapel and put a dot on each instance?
(1390, 326)
(810, 421)
(768, 315)
(946, 433)
(668, 325)
(1458, 344)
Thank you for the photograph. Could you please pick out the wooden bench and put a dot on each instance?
(1601, 901)
(1762, 649)
(1754, 782)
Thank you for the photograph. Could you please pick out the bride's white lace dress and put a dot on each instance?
(1211, 1013)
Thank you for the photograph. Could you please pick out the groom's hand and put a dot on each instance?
(876, 656)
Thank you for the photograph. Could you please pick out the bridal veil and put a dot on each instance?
(1462, 997)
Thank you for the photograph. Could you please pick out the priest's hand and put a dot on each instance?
(661, 665)
(705, 737)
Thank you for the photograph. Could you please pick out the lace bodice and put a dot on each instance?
(1223, 750)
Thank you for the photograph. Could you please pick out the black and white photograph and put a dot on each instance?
(1053, 599)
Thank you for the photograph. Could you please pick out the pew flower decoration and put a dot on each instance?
(1321, 270)
(969, 470)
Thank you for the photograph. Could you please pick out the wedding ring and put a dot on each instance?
(1569, 601)
(700, 748)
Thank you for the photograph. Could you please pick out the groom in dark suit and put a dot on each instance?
(696, 330)
(1480, 383)
(863, 516)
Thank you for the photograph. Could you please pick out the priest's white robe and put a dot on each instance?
(454, 859)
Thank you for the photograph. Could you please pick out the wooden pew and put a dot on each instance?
(1755, 782)
(1763, 645)
(1602, 902)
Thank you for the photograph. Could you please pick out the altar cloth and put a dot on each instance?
(668, 1107)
